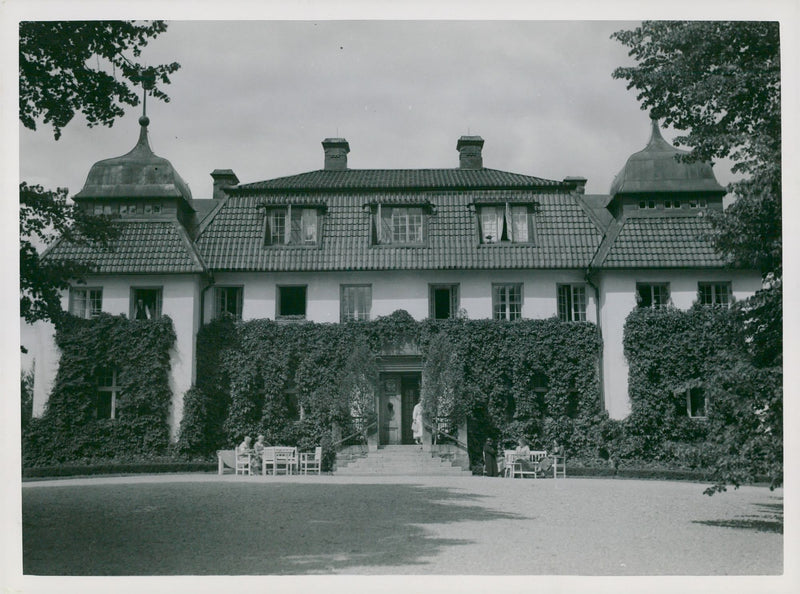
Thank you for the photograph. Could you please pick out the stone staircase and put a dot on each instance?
(409, 460)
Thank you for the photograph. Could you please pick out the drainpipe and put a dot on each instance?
(588, 277)
(203, 299)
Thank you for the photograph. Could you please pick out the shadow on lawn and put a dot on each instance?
(238, 528)
(768, 519)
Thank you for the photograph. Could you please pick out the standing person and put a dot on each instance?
(489, 458)
(416, 422)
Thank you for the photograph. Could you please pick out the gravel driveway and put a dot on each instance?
(204, 524)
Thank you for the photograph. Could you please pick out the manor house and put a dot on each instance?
(339, 244)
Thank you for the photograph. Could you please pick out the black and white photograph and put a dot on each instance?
(400, 300)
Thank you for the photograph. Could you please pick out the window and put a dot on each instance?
(507, 301)
(356, 303)
(292, 225)
(652, 294)
(506, 223)
(228, 300)
(696, 403)
(291, 302)
(145, 303)
(399, 225)
(105, 403)
(572, 303)
(443, 301)
(85, 302)
(714, 294)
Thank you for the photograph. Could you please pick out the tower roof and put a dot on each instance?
(655, 169)
(137, 174)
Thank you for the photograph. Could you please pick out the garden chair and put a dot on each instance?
(286, 459)
(509, 457)
(560, 465)
(312, 462)
(244, 461)
(225, 459)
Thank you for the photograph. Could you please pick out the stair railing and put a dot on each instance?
(436, 431)
(361, 432)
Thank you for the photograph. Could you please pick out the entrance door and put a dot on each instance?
(399, 394)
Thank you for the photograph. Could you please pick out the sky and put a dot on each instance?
(258, 97)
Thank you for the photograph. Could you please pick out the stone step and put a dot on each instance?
(399, 460)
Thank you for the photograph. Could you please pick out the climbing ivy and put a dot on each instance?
(262, 372)
(139, 352)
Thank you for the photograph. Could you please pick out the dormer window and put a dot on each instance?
(506, 223)
(292, 225)
(399, 225)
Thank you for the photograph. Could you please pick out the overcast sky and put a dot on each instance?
(258, 97)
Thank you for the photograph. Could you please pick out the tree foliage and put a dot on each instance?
(67, 68)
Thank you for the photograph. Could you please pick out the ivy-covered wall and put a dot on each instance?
(529, 377)
(670, 351)
(139, 352)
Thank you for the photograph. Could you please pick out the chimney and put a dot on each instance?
(223, 178)
(336, 150)
(469, 150)
(578, 182)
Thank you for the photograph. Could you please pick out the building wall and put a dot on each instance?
(618, 298)
(406, 290)
(180, 301)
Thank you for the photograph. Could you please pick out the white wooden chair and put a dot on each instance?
(560, 465)
(285, 459)
(312, 462)
(509, 457)
(244, 461)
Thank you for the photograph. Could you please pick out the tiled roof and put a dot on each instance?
(383, 179)
(662, 242)
(565, 237)
(143, 246)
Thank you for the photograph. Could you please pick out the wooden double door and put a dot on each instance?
(398, 394)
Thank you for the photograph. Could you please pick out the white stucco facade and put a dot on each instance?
(407, 290)
(618, 299)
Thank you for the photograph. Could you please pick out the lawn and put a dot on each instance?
(202, 524)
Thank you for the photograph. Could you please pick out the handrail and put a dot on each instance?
(433, 429)
(363, 431)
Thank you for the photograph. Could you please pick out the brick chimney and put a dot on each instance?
(578, 182)
(336, 150)
(469, 150)
(223, 178)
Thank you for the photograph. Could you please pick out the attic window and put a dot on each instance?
(291, 225)
(506, 223)
(399, 225)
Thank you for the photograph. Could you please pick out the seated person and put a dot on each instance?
(258, 451)
(246, 447)
(523, 455)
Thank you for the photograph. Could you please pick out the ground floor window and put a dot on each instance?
(696, 403)
(291, 302)
(356, 303)
(652, 294)
(507, 301)
(572, 303)
(105, 403)
(714, 294)
(85, 302)
(146, 303)
(443, 301)
(228, 300)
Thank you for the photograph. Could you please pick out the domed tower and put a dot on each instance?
(139, 184)
(655, 179)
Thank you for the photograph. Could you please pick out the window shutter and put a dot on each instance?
(296, 235)
(386, 225)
